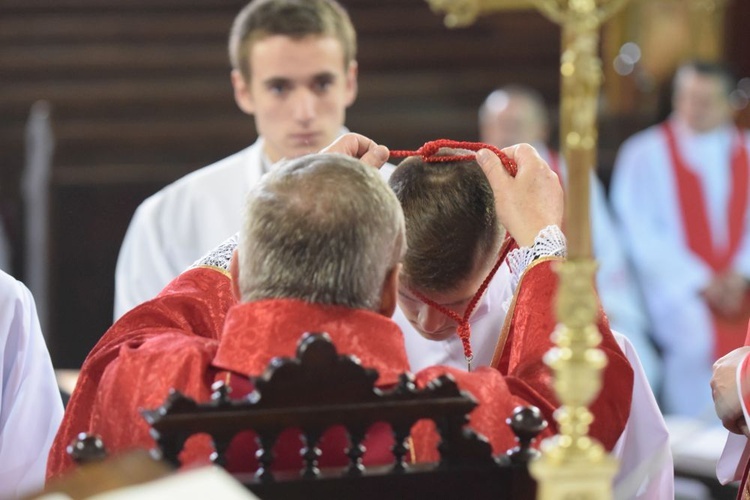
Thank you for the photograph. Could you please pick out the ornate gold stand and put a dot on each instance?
(572, 466)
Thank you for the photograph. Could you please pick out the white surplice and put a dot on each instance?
(30, 403)
(184, 221)
(736, 453)
(645, 200)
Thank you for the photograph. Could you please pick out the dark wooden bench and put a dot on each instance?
(319, 389)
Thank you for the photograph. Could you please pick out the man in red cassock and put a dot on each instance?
(320, 251)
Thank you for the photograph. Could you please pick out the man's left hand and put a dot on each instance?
(725, 392)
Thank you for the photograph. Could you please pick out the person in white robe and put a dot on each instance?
(30, 403)
(302, 83)
(699, 141)
(514, 114)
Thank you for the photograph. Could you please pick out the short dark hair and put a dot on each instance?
(293, 18)
(450, 218)
(710, 68)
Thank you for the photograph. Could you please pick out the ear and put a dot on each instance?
(234, 271)
(242, 94)
(389, 295)
(351, 83)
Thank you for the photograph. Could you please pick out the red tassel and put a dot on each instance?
(464, 327)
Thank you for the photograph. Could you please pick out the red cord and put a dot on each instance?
(429, 151)
(464, 328)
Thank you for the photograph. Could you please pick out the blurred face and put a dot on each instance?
(298, 92)
(428, 321)
(510, 120)
(700, 101)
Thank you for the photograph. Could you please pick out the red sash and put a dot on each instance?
(729, 332)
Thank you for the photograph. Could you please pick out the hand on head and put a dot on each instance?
(361, 147)
(725, 392)
(528, 202)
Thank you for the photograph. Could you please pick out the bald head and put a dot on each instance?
(513, 114)
(701, 98)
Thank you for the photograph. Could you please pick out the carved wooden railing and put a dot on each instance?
(319, 389)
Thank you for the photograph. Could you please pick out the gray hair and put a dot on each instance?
(323, 228)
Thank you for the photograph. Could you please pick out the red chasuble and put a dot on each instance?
(525, 340)
(728, 332)
(138, 374)
(193, 304)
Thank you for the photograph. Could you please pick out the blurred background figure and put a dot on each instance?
(294, 70)
(680, 190)
(514, 114)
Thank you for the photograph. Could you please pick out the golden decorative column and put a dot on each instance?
(573, 465)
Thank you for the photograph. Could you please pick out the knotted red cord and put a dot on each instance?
(428, 153)
(464, 328)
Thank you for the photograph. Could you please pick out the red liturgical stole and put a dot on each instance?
(695, 221)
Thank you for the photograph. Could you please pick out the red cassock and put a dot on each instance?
(181, 340)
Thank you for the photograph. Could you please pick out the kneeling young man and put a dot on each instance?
(470, 297)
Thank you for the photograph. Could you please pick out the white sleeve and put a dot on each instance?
(550, 242)
(646, 465)
(30, 404)
(736, 452)
(734, 456)
(143, 267)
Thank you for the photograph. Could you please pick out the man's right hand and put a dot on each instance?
(528, 202)
(725, 392)
(361, 147)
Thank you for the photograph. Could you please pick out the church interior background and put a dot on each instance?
(104, 103)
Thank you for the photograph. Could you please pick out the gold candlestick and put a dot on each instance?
(572, 465)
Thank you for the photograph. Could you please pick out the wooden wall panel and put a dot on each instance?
(140, 96)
